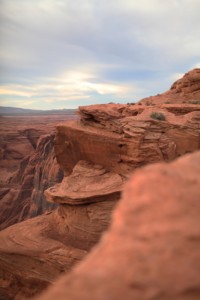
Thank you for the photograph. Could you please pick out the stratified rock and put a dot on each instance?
(27, 166)
(24, 197)
(151, 250)
(88, 183)
(35, 252)
(122, 138)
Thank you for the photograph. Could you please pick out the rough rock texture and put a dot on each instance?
(88, 183)
(25, 196)
(122, 138)
(35, 252)
(184, 90)
(151, 250)
(27, 166)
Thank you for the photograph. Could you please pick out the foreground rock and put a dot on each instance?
(35, 252)
(151, 250)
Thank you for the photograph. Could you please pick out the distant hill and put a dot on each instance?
(15, 111)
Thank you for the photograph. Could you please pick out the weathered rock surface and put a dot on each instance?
(151, 250)
(109, 135)
(35, 252)
(88, 183)
(28, 166)
(184, 90)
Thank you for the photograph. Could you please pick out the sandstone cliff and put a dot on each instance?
(27, 166)
(33, 253)
(123, 137)
(151, 250)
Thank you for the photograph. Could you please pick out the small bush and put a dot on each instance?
(158, 116)
(139, 103)
(195, 102)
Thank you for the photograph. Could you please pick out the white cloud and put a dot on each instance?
(96, 41)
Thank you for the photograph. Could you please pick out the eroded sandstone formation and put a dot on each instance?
(27, 166)
(151, 250)
(33, 253)
(123, 137)
(184, 90)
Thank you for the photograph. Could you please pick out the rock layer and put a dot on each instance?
(88, 183)
(109, 135)
(151, 250)
(35, 252)
(28, 166)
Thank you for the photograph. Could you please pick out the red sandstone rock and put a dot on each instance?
(35, 252)
(184, 90)
(125, 142)
(88, 183)
(27, 166)
(151, 250)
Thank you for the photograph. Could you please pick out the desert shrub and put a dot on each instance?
(195, 102)
(158, 116)
(139, 103)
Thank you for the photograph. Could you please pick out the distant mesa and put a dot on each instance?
(15, 111)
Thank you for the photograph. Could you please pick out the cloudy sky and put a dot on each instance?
(66, 53)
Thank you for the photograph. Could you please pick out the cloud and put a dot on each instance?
(119, 47)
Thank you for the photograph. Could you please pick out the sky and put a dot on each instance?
(58, 54)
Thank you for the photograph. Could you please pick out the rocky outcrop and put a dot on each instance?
(151, 250)
(33, 253)
(184, 90)
(88, 183)
(122, 138)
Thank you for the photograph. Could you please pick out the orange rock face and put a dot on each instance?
(34, 252)
(27, 166)
(122, 138)
(184, 90)
(151, 250)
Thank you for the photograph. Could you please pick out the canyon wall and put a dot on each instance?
(28, 166)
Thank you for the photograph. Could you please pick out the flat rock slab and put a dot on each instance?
(88, 183)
